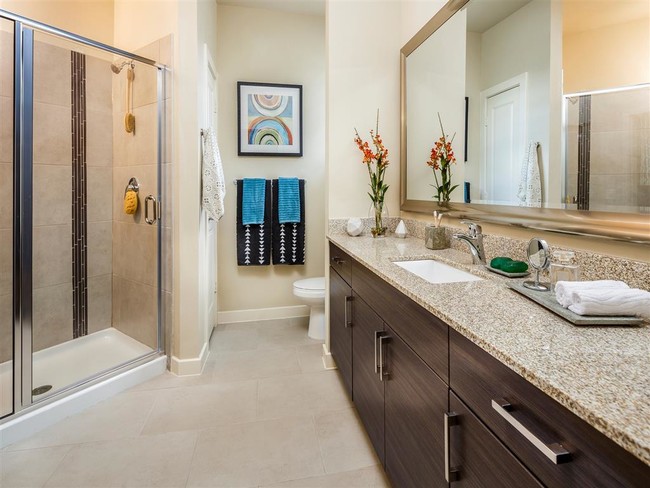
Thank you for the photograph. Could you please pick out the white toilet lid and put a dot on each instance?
(311, 283)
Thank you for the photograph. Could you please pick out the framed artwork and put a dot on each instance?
(269, 119)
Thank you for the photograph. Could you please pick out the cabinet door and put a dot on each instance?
(368, 389)
(478, 457)
(415, 403)
(340, 327)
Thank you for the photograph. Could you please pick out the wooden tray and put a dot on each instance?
(547, 300)
(504, 273)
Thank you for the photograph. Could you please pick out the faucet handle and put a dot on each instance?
(474, 229)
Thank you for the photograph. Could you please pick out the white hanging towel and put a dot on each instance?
(213, 190)
(530, 184)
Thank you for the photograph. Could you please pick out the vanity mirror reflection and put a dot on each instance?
(549, 101)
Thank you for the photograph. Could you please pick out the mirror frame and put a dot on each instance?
(619, 226)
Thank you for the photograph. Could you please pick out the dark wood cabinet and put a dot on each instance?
(415, 402)
(532, 424)
(478, 459)
(368, 388)
(340, 327)
(426, 334)
(405, 370)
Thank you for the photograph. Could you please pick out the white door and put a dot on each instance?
(503, 141)
(210, 111)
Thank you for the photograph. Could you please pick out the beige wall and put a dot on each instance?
(363, 43)
(88, 18)
(137, 24)
(608, 57)
(268, 46)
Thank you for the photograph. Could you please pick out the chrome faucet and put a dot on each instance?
(474, 238)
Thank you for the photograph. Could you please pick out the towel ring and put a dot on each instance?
(132, 185)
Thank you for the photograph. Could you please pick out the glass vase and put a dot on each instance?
(378, 215)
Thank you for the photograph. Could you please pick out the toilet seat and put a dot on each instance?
(310, 287)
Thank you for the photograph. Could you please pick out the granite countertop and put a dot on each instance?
(598, 373)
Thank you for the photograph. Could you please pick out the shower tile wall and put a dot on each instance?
(135, 242)
(619, 159)
(52, 254)
(53, 180)
(6, 192)
(620, 150)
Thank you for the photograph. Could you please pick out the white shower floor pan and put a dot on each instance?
(74, 361)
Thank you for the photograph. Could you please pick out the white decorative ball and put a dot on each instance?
(355, 226)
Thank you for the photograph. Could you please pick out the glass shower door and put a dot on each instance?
(6, 218)
(95, 265)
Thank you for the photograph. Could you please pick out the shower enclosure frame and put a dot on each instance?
(23, 117)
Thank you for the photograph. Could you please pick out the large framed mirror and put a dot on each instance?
(548, 104)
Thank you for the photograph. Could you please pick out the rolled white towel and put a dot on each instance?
(610, 301)
(564, 289)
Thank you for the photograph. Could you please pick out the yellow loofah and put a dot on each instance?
(130, 202)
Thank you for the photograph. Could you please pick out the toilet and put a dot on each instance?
(312, 292)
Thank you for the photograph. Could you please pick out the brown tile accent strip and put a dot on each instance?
(584, 151)
(79, 200)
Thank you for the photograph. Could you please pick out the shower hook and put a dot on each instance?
(132, 185)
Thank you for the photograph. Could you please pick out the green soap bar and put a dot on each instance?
(498, 262)
(515, 267)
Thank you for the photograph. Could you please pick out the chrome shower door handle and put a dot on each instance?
(147, 200)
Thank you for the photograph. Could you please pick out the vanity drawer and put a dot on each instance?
(341, 262)
(427, 335)
(532, 417)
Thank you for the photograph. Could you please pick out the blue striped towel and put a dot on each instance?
(288, 200)
(254, 190)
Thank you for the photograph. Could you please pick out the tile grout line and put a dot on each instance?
(320, 447)
(189, 469)
(58, 465)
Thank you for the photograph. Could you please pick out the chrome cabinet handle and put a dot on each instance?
(378, 334)
(152, 199)
(381, 356)
(347, 323)
(451, 474)
(555, 452)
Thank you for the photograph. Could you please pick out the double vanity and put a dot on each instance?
(461, 381)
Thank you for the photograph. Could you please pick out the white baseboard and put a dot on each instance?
(191, 366)
(42, 417)
(328, 361)
(231, 316)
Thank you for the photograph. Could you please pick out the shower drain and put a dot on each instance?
(39, 390)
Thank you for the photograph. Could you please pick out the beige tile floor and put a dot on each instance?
(264, 413)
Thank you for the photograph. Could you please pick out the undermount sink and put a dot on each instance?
(436, 272)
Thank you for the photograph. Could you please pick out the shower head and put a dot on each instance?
(118, 67)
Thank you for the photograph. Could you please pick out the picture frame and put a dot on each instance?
(269, 119)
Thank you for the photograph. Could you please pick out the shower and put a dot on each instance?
(118, 67)
(81, 282)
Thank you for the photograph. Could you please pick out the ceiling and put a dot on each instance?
(483, 14)
(308, 7)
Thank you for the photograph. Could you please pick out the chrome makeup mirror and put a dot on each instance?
(533, 92)
(539, 258)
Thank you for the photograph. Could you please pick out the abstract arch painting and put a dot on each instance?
(269, 118)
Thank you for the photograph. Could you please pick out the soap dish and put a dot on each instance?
(504, 273)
